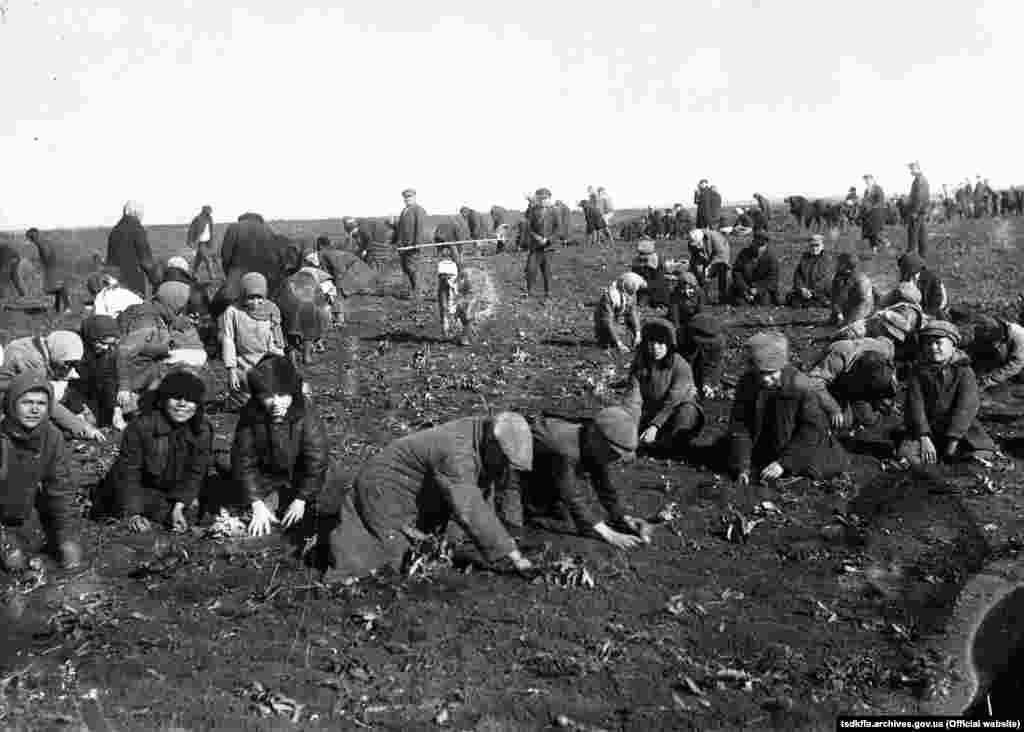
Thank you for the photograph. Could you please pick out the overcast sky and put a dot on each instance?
(324, 111)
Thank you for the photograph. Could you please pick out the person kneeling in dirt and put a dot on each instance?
(709, 260)
(165, 453)
(250, 329)
(855, 380)
(702, 343)
(35, 477)
(564, 451)
(618, 301)
(279, 454)
(777, 425)
(421, 482)
(811, 279)
(56, 356)
(853, 296)
(755, 273)
(686, 300)
(997, 352)
(662, 396)
(943, 402)
(94, 393)
(348, 272)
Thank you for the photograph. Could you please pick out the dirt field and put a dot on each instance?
(783, 632)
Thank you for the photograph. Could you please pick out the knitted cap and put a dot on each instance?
(64, 345)
(253, 283)
(631, 282)
(515, 437)
(768, 351)
(174, 295)
(182, 384)
(941, 329)
(618, 429)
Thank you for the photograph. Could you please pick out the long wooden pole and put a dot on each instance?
(448, 244)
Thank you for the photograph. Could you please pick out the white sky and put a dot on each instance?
(323, 111)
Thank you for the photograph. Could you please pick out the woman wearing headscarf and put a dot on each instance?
(165, 454)
(249, 330)
(618, 301)
(56, 356)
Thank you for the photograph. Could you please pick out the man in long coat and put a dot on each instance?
(411, 230)
(918, 205)
(250, 245)
(200, 238)
(872, 212)
(128, 250)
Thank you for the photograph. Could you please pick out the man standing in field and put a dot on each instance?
(604, 202)
(542, 228)
(410, 232)
(872, 213)
(10, 272)
(917, 211)
(200, 238)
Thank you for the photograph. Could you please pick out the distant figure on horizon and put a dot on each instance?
(200, 238)
(410, 232)
(128, 250)
(917, 211)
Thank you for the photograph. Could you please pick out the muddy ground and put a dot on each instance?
(785, 631)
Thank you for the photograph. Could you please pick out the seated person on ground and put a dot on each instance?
(618, 301)
(35, 482)
(997, 352)
(755, 273)
(709, 260)
(812, 279)
(702, 344)
(686, 300)
(942, 402)
(165, 453)
(662, 396)
(853, 296)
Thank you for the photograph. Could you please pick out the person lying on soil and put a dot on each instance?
(812, 279)
(94, 393)
(934, 300)
(710, 260)
(686, 300)
(755, 274)
(108, 297)
(10, 271)
(702, 344)
(418, 484)
(564, 452)
(57, 356)
(35, 480)
(997, 352)
(53, 282)
(853, 296)
(855, 381)
(662, 396)
(279, 455)
(250, 329)
(943, 402)
(165, 453)
(777, 426)
(618, 302)
(155, 336)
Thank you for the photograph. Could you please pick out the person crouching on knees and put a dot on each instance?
(662, 396)
(165, 453)
(279, 455)
(34, 477)
(777, 426)
(943, 402)
(617, 302)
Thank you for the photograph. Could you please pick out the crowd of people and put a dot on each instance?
(139, 363)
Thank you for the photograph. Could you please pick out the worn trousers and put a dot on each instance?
(917, 235)
(537, 261)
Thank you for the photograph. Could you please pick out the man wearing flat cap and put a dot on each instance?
(542, 228)
(918, 203)
(943, 402)
(812, 278)
(777, 426)
(411, 231)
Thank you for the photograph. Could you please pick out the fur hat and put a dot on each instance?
(910, 264)
(515, 437)
(182, 384)
(768, 351)
(253, 283)
(275, 375)
(659, 330)
(631, 283)
(941, 329)
(64, 345)
(174, 295)
(618, 428)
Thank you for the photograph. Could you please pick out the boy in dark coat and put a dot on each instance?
(702, 344)
(419, 483)
(942, 402)
(755, 274)
(53, 282)
(777, 425)
(812, 279)
(34, 476)
(165, 453)
(280, 447)
(128, 250)
(662, 396)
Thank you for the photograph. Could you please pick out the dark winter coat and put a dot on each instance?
(706, 357)
(52, 280)
(195, 229)
(542, 226)
(658, 389)
(412, 224)
(562, 213)
(373, 239)
(814, 273)
(874, 212)
(128, 250)
(10, 275)
(943, 403)
(250, 245)
(160, 457)
(920, 197)
(350, 274)
(758, 270)
(681, 308)
(96, 385)
(34, 472)
(267, 455)
(787, 425)
(480, 226)
(451, 229)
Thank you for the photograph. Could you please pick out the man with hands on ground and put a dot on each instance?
(618, 301)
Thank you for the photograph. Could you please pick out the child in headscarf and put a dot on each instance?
(34, 476)
(249, 330)
(165, 454)
(95, 389)
(618, 301)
